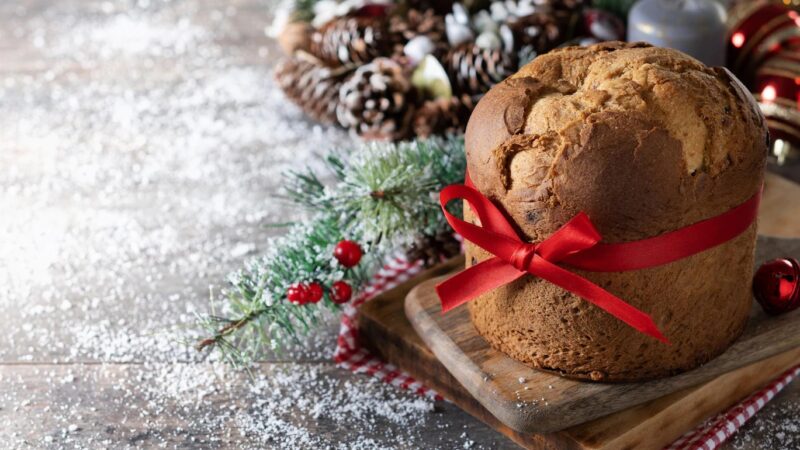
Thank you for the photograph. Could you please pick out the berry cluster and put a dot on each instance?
(348, 254)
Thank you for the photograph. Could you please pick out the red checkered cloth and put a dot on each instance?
(718, 429)
(352, 356)
(349, 352)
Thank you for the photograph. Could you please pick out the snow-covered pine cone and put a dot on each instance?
(352, 40)
(443, 116)
(377, 101)
(539, 32)
(474, 70)
(414, 23)
(313, 87)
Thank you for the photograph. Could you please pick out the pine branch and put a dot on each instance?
(384, 198)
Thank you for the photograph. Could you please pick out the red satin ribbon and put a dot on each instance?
(577, 243)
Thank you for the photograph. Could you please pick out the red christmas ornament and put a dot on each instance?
(776, 285)
(348, 253)
(341, 292)
(777, 88)
(755, 31)
(314, 292)
(297, 294)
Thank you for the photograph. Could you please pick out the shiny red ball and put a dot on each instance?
(315, 292)
(776, 285)
(341, 292)
(297, 294)
(348, 253)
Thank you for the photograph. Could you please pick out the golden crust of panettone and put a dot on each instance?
(644, 140)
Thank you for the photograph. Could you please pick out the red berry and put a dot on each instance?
(297, 294)
(314, 292)
(341, 292)
(348, 253)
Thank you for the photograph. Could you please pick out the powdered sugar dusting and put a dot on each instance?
(775, 427)
(141, 163)
(141, 146)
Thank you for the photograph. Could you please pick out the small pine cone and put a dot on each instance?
(440, 7)
(377, 101)
(473, 70)
(563, 5)
(443, 116)
(405, 27)
(351, 40)
(312, 86)
(434, 249)
(539, 32)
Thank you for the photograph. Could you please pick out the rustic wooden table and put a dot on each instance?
(140, 148)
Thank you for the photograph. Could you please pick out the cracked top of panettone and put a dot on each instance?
(644, 139)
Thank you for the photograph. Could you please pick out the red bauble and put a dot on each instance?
(348, 253)
(297, 294)
(315, 292)
(776, 285)
(341, 292)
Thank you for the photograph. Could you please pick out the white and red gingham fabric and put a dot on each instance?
(352, 356)
(718, 429)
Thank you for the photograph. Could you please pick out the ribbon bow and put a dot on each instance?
(578, 244)
(515, 258)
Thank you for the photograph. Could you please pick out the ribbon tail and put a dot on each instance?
(598, 296)
(474, 281)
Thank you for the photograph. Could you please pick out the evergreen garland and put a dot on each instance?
(384, 198)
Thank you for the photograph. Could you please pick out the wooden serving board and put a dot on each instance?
(532, 401)
(653, 424)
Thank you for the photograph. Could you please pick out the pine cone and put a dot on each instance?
(376, 102)
(434, 249)
(564, 5)
(405, 27)
(441, 7)
(312, 86)
(473, 70)
(351, 40)
(443, 116)
(539, 32)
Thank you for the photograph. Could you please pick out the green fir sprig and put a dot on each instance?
(384, 197)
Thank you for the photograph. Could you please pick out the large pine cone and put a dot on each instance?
(351, 40)
(377, 101)
(312, 86)
(443, 116)
(473, 70)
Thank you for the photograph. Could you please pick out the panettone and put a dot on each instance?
(645, 140)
